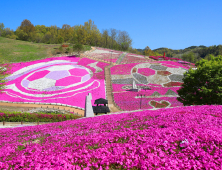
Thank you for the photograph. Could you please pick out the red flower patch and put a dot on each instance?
(134, 70)
(63, 45)
(164, 73)
(161, 104)
(172, 84)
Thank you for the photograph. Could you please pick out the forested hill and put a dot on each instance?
(88, 34)
(191, 54)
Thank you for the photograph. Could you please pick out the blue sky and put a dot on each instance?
(175, 24)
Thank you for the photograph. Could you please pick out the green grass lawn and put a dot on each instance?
(22, 51)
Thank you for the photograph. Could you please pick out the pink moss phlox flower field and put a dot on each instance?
(64, 80)
(130, 101)
(122, 69)
(133, 58)
(173, 63)
(172, 138)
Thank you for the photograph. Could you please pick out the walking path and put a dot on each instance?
(111, 103)
(121, 57)
(109, 96)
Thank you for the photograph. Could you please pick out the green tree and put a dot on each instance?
(2, 26)
(60, 40)
(148, 52)
(208, 57)
(28, 28)
(190, 57)
(66, 32)
(21, 35)
(105, 37)
(203, 85)
(78, 47)
(124, 40)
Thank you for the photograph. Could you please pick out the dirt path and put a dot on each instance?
(111, 103)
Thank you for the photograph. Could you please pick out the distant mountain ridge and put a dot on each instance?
(192, 53)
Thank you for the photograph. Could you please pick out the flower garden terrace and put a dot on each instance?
(164, 77)
(168, 138)
(67, 80)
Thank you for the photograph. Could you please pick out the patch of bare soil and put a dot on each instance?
(16, 52)
(15, 109)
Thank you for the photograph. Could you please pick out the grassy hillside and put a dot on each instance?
(21, 51)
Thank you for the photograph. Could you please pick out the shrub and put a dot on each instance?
(78, 47)
(35, 117)
(203, 85)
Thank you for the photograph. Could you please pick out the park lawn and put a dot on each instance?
(21, 51)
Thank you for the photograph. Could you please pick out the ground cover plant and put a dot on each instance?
(55, 80)
(105, 54)
(133, 58)
(163, 77)
(174, 138)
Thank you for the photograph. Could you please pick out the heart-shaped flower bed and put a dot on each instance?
(160, 104)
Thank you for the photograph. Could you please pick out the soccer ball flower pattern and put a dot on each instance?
(163, 77)
(56, 77)
(55, 80)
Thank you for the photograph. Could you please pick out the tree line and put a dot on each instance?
(192, 54)
(87, 34)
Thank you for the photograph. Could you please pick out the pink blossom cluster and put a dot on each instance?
(110, 56)
(130, 58)
(175, 64)
(164, 58)
(124, 69)
(127, 100)
(172, 138)
(86, 61)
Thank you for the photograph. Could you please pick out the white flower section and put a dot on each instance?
(102, 52)
(119, 76)
(3, 68)
(158, 79)
(98, 69)
(42, 83)
(14, 88)
(176, 70)
(36, 65)
(136, 56)
(143, 65)
(60, 68)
